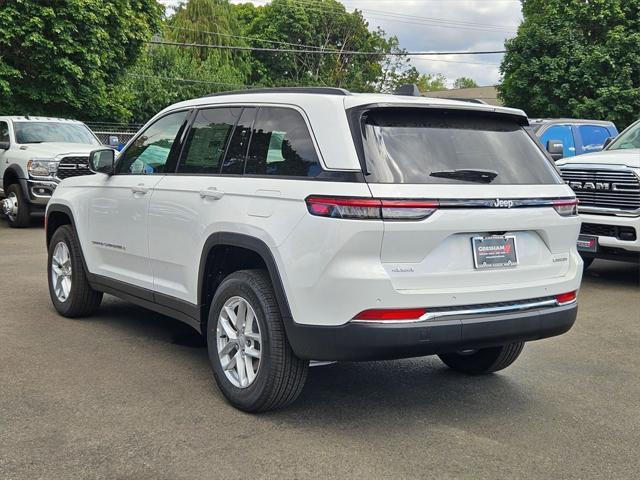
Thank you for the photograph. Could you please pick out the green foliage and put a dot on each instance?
(60, 58)
(465, 82)
(326, 24)
(575, 58)
(167, 74)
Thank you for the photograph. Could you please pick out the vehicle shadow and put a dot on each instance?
(613, 273)
(349, 393)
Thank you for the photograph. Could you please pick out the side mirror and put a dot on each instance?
(4, 145)
(114, 141)
(555, 149)
(102, 161)
(607, 142)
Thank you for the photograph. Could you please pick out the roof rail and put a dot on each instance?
(314, 90)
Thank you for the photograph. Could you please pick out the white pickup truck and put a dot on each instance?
(35, 154)
(607, 184)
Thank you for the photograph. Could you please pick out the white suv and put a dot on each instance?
(291, 225)
(36, 153)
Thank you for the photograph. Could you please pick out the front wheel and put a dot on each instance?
(69, 288)
(16, 208)
(485, 360)
(253, 363)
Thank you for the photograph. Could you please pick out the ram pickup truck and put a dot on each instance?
(36, 153)
(607, 184)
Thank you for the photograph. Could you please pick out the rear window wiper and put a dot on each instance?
(469, 175)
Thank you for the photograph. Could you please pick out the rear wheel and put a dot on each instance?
(16, 208)
(252, 361)
(70, 292)
(485, 360)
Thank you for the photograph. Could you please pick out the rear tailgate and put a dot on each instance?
(491, 183)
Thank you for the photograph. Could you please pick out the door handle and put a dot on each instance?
(141, 189)
(211, 193)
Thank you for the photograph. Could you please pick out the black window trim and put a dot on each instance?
(172, 160)
(325, 176)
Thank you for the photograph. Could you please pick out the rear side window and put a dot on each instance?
(593, 137)
(451, 147)
(281, 145)
(237, 151)
(208, 140)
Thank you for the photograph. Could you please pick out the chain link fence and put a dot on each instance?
(106, 132)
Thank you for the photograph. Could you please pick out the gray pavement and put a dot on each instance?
(129, 394)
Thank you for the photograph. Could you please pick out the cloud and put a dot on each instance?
(441, 25)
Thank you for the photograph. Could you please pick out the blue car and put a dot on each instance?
(568, 137)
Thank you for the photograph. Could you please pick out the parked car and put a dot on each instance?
(35, 154)
(608, 186)
(290, 225)
(567, 137)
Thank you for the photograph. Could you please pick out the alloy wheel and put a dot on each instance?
(239, 342)
(61, 273)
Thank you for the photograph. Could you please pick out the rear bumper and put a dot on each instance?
(357, 341)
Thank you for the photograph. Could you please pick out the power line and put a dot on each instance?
(411, 19)
(319, 52)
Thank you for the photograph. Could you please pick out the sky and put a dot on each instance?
(442, 25)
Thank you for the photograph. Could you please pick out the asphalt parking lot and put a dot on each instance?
(129, 394)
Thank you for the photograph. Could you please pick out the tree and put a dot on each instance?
(575, 58)
(165, 74)
(322, 25)
(465, 82)
(64, 60)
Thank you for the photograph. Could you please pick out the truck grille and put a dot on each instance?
(73, 167)
(618, 189)
(599, 230)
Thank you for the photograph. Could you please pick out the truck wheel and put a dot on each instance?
(252, 361)
(485, 360)
(70, 292)
(16, 208)
(587, 262)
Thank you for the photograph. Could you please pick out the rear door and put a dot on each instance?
(489, 179)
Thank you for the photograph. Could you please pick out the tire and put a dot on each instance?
(21, 216)
(587, 262)
(80, 299)
(279, 374)
(483, 361)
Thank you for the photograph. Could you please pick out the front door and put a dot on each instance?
(119, 205)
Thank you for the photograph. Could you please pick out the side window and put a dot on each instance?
(593, 137)
(237, 151)
(564, 133)
(281, 145)
(149, 153)
(208, 140)
(4, 132)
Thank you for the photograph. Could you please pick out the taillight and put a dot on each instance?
(370, 208)
(394, 315)
(566, 208)
(565, 298)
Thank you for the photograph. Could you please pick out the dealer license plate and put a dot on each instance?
(496, 251)
(588, 243)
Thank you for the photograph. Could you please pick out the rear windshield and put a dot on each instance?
(451, 147)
